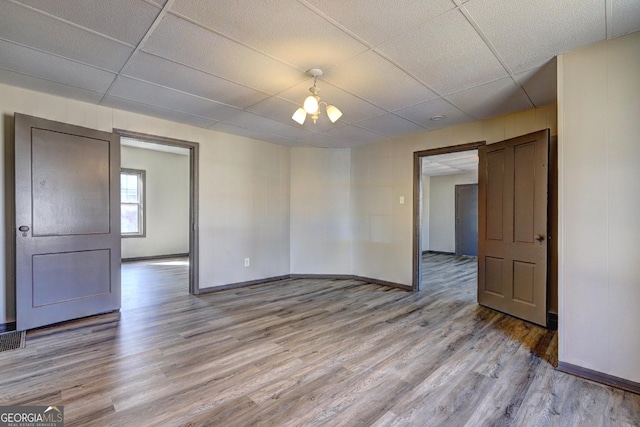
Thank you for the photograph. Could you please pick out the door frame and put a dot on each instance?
(417, 200)
(194, 153)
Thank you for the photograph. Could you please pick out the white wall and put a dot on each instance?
(244, 210)
(381, 173)
(382, 245)
(599, 150)
(244, 189)
(442, 222)
(424, 236)
(166, 202)
(320, 227)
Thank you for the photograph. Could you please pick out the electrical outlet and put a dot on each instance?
(402, 200)
(247, 262)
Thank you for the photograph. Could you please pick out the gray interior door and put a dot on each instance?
(67, 222)
(467, 219)
(512, 235)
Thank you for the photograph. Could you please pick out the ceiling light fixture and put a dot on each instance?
(312, 103)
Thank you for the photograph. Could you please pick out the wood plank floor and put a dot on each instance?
(305, 353)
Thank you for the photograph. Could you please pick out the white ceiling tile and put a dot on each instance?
(625, 17)
(422, 114)
(24, 60)
(262, 124)
(176, 39)
(33, 29)
(528, 34)
(437, 170)
(462, 163)
(151, 110)
(449, 158)
(541, 84)
(144, 145)
(284, 141)
(492, 99)
(235, 130)
(353, 108)
(248, 133)
(370, 74)
(125, 20)
(450, 163)
(356, 134)
(391, 125)
(326, 141)
(443, 172)
(147, 93)
(170, 74)
(376, 21)
(46, 86)
(275, 108)
(293, 34)
(446, 53)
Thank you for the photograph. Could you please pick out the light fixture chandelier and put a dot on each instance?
(312, 103)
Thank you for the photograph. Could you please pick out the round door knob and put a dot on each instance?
(539, 237)
(23, 228)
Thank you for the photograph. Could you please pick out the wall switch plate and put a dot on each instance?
(402, 200)
(247, 262)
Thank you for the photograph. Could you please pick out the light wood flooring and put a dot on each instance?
(305, 353)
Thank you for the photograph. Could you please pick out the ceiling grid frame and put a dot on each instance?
(138, 48)
(492, 48)
(71, 23)
(383, 95)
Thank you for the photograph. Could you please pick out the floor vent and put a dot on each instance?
(12, 340)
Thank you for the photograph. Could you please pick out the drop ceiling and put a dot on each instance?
(145, 145)
(450, 163)
(240, 66)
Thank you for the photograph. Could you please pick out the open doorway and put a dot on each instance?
(159, 209)
(525, 277)
(437, 173)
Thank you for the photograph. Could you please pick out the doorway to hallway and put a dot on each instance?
(437, 173)
(189, 207)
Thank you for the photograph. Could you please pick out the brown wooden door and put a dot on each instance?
(67, 222)
(512, 232)
(466, 219)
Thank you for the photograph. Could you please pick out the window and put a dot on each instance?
(132, 216)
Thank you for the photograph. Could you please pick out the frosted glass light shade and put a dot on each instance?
(311, 104)
(299, 116)
(333, 113)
